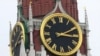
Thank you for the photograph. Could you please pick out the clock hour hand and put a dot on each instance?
(69, 35)
(64, 34)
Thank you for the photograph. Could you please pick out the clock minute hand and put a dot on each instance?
(70, 30)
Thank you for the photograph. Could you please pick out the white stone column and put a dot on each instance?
(43, 51)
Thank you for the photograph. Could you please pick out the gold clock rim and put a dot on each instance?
(46, 19)
(23, 32)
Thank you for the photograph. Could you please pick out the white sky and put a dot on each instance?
(8, 12)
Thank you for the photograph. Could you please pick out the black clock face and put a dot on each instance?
(60, 35)
(16, 37)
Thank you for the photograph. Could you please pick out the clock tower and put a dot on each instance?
(35, 16)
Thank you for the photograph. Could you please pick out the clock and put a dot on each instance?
(17, 35)
(61, 34)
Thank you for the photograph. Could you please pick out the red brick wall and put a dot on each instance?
(83, 48)
(42, 7)
(70, 7)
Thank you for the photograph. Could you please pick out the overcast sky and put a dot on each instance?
(8, 12)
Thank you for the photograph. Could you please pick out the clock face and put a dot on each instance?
(16, 37)
(61, 34)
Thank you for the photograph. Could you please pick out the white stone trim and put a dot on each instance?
(43, 51)
(37, 23)
(30, 25)
(79, 54)
(38, 53)
(58, 5)
(61, 7)
(83, 26)
(22, 49)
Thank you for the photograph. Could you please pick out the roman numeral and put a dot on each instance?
(46, 33)
(67, 22)
(74, 42)
(60, 19)
(61, 49)
(53, 21)
(69, 48)
(54, 46)
(48, 26)
(48, 40)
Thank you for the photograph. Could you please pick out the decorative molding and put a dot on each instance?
(37, 23)
(58, 5)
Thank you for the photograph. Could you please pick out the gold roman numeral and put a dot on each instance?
(46, 33)
(48, 26)
(75, 35)
(60, 19)
(74, 42)
(61, 49)
(53, 21)
(48, 40)
(69, 48)
(54, 46)
(67, 22)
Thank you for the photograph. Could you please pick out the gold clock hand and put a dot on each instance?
(69, 35)
(58, 34)
(65, 34)
(70, 30)
(18, 38)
